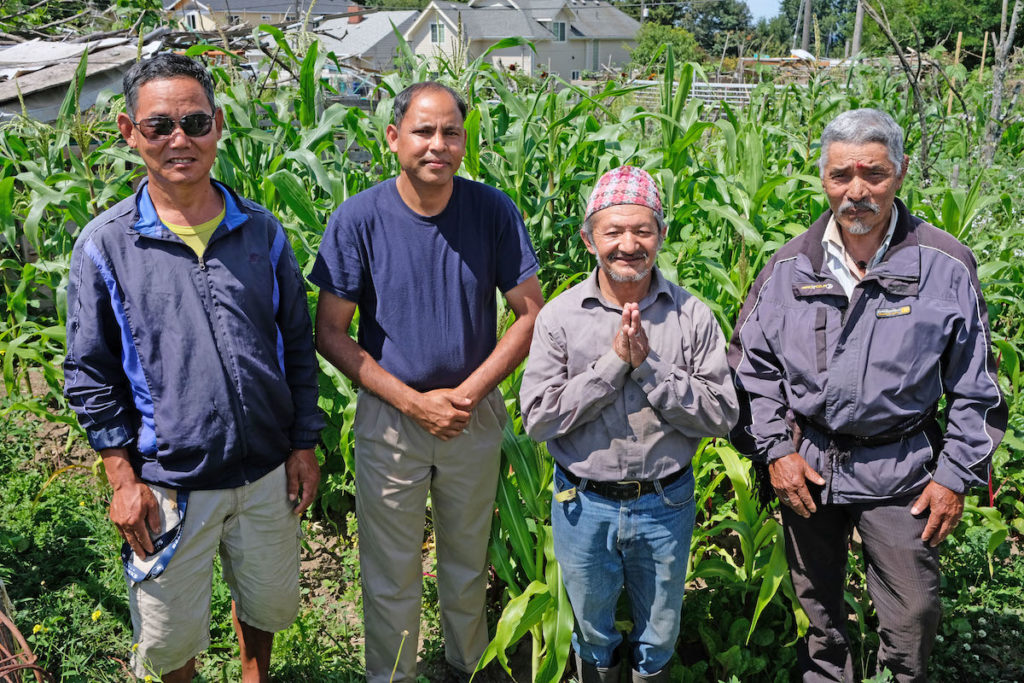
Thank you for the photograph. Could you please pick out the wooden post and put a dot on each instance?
(984, 46)
(952, 81)
(858, 28)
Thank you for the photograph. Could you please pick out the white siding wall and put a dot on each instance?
(522, 57)
(419, 41)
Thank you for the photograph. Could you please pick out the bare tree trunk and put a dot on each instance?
(913, 78)
(858, 29)
(996, 116)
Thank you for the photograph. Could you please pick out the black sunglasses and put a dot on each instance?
(156, 128)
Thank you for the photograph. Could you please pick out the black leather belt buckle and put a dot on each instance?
(623, 490)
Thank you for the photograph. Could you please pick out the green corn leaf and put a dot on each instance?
(297, 198)
(774, 572)
(69, 111)
(512, 519)
(309, 79)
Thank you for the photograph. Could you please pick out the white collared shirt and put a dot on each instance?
(839, 260)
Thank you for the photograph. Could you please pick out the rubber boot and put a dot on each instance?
(659, 677)
(588, 673)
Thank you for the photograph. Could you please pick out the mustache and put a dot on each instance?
(865, 204)
(640, 253)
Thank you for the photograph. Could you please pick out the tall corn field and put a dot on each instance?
(735, 188)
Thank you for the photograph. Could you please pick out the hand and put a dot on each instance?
(135, 512)
(946, 508)
(442, 412)
(303, 472)
(621, 342)
(789, 477)
(638, 345)
(630, 343)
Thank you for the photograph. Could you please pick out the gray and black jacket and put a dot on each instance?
(914, 330)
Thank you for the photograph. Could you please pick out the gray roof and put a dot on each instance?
(601, 20)
(595, 19)
(493, 23)
(347, 39)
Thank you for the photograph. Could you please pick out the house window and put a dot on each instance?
(234, 19)
(192, 20)
(575, 75)
(558, 28)
(265, 18)
(437, 33)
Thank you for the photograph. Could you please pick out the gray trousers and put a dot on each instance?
(397, 464)
(902, 580)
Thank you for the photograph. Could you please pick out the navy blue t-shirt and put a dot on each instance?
(426, 285)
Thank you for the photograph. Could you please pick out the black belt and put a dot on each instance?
(624, 490)
(840, 445)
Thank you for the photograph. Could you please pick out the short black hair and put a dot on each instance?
(404, 99)
(164, 65)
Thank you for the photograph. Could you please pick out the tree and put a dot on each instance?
(833, 18)
(710, 21)
(923, 25)
(652, 37)
(27, 19)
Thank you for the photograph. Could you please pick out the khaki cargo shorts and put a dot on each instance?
(257, 535)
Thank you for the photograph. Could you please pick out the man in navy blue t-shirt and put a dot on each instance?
(422, 256)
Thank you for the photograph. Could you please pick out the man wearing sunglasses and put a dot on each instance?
(190, 365)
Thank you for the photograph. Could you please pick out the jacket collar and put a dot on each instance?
(659, 286)
(899, 271)
(147, 222)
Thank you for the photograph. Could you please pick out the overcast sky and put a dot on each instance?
(763, 8)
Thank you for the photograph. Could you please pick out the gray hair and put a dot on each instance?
(860, 127)
(164, 65)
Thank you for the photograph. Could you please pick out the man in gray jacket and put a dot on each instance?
(848, 339)
(627, 372)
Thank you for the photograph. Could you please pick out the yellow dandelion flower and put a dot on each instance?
(96, 615)
(135, 647)
(148, 679)
(81, 503)
(37, 628)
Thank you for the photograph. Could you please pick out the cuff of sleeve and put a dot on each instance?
(945, 475)
(779, 450)
(611, 368)
(646, 374)
(302, 439)
(109, 436)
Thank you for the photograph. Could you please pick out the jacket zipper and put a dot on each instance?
(234, 396)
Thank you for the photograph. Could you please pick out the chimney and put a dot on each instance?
(355, 18)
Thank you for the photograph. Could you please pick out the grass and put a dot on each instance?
(59, 559)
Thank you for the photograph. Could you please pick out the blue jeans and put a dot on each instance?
(642, 544)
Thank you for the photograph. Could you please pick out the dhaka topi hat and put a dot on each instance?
(624, 185)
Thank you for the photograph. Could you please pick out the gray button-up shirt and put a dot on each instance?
(606, 422)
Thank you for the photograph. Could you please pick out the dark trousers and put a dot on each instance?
(902, 580)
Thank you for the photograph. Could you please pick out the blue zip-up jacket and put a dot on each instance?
(203, 368)
(915, 329)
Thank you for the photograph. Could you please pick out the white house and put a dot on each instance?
(570, 36)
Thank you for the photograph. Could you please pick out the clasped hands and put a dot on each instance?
(630, 343)
(790, 474)
(443, 413)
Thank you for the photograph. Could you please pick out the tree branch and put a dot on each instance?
(912, 79)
